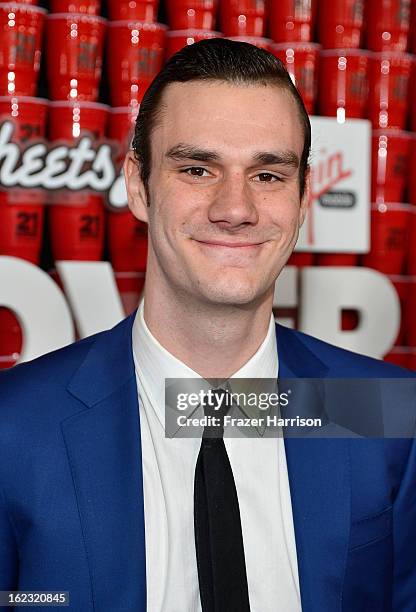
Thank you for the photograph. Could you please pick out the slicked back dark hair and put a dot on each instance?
(215, 59)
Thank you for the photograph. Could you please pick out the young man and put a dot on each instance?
(95, 499)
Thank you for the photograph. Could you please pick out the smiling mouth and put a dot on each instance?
(231, 245)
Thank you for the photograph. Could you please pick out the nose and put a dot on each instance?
(232, 204)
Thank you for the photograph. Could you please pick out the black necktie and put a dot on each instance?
(218, 537)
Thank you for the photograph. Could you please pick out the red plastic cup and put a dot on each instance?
(257, 41)
(27, 113)
(68, 120)
(77, 221)
(139, 10)
(299, 259)
(389, 238)
(410, 312)
(21, 226)
(399, 355)
(337, 259)
(11, 338)
(390, 163)
(21, 28)
(90, 7)
(77, 231)
(127, 242)
(343, 86)
(387, 25)
(191, 14)
(411, 256)
(341, 24)
(291, 20)
(22, 211)
(130, 286)
(74, 50)
(402, 286)
(136, 51)
(389, 78)
(301, 61)
(178, 39)
(243, 17)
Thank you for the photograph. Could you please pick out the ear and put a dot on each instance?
(305, 201)
(136, 192)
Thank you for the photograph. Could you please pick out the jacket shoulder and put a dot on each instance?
(55, 366)
(37, 385)
(60, 364)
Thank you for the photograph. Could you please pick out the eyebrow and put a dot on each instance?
(181, 152)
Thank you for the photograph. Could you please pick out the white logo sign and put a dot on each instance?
(77, 166)
(338, 219)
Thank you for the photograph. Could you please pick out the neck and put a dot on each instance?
(214, 340)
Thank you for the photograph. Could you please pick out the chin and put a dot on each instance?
(231, 295)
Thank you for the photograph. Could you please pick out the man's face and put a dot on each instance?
(225, 209)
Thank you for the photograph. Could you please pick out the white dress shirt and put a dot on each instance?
(260, 474)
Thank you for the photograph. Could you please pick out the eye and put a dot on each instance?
(266, 177)
(195, 171)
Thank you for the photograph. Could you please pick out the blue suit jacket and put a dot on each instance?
(71, 488)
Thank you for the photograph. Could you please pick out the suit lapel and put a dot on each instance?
(104, 451)
(320, 487)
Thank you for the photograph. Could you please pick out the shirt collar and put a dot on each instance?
(154, 363)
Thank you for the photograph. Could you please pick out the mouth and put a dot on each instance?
(230, 245)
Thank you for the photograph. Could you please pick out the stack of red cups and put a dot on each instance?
(76, 220)
(74, 50)
(21, 27)
(136, 49)
(343, 74)
(21, 212)
(390, 76)
(343, 87)
(74, 56)
(290, 26)
(136, 52)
